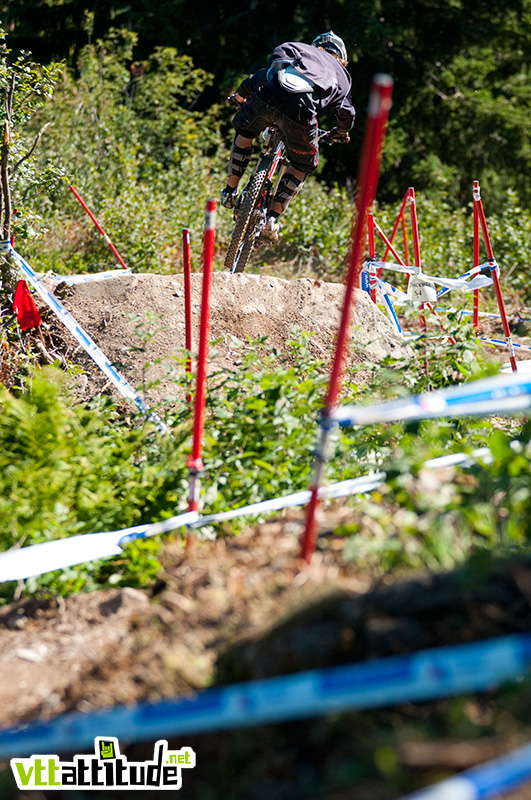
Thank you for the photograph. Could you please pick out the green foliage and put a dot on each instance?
(421, 518)
(260, 431)
(102, 473)
(66, 469)
(125, 135)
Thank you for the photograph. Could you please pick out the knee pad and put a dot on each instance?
(239, 158)
(287, 188)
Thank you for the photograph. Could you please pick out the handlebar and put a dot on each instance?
(325, 137)
(233, 102)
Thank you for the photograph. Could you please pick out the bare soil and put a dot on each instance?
(242, 607)
(139, 323)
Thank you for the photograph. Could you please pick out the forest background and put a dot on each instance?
(137, 121)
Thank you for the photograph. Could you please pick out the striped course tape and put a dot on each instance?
(20, 563)
(488, 780)
(504, 394)
(468, 281)
(425, 675)
(503, 343)
(88, 344)
(71, 280)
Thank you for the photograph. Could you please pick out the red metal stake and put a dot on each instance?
(372, 256)
(416, 248)
(390, 247)
(495, 275)
(187, 306)
(414, 228)
(377, 116)
(404, 238)
(476, 254)
(195, 461)
(400, 218)
(98, 226)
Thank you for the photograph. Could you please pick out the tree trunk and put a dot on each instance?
(7, 273)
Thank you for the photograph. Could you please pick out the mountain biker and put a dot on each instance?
(299, 81)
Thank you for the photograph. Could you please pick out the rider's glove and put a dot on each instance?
(338, 137)
(233, 101)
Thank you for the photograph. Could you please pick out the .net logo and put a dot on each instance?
(107, 769)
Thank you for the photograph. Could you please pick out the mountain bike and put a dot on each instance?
(255, 200)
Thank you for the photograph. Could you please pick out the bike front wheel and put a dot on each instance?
(243, 228)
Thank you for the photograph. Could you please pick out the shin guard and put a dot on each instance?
(239, 158)
(289, 186)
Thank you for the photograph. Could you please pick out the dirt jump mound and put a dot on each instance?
(139, 322)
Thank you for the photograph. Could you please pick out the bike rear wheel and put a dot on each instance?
(242, 227)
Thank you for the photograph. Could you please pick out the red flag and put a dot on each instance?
(24, 306)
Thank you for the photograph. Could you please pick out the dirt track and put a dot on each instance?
(139, 319)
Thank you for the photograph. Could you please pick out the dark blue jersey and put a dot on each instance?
(331, 81)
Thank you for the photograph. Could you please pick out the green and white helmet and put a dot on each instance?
(334, 44)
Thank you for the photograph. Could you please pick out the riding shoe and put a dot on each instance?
(270, 231)
(229, 197)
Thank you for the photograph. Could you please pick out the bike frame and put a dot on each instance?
(255, 200)
(279, 157)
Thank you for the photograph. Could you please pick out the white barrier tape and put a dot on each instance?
(472, 272)
(487, 780)
(71, 280)
(21, 563)
(79, 334)
(460, 459)
(479, 282)
(500, 395)
(466, 282)
(18, 564)
(503, 342)
(352, 486)
(425, 675)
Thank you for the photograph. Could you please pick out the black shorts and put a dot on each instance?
(295, 123)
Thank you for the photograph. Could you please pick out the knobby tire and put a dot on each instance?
(245, 213)
(246, 248)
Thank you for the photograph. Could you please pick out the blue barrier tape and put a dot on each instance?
(426, 675)
(500, 395)
(485, 781)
